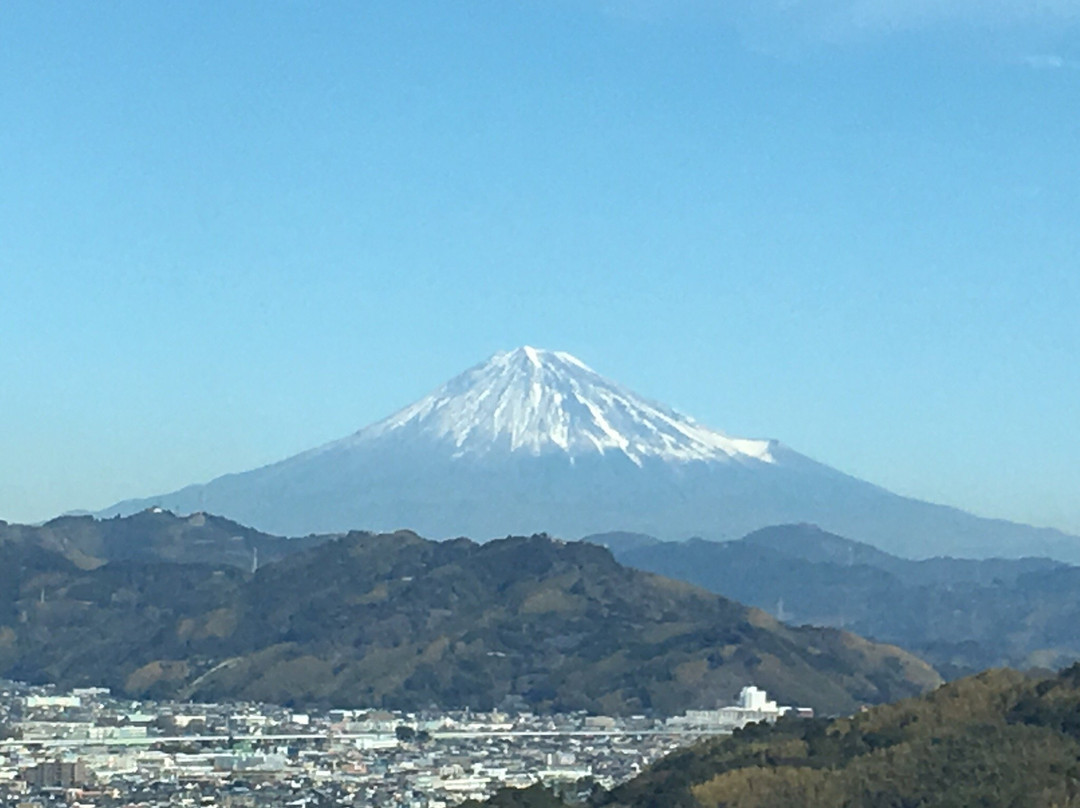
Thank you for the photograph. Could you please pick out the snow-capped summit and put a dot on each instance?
(534, 440)
(534, 401)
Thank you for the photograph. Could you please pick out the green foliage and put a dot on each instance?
(536, 796)
(997, 739)
(395, 621)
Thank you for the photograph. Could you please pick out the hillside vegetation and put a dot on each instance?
(996, 739)
(398, 621)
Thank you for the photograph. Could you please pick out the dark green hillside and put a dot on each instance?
(996, 739)
(398, 621)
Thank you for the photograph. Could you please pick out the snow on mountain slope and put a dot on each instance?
(535, 440)
(534, 402)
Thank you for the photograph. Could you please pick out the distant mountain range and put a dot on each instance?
(397, 621)
(535, 441)
(961, 615)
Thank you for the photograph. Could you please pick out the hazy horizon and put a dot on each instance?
(235, 233)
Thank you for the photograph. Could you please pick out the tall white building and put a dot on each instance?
(750, 698)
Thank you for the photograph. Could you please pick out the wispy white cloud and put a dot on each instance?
(1050, 61)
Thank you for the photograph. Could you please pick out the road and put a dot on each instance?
(68, 743)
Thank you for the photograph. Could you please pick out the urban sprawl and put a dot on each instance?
(88, 748)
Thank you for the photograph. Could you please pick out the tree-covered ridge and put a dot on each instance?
(996, 739)
(398, 621)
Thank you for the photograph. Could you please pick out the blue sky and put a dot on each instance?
(229, 232)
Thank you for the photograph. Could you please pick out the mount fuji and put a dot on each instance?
(536, 441)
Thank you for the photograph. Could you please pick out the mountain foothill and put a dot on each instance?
(159, 605)
(397, 621)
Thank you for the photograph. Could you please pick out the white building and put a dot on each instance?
(60, 702)
(753, 705)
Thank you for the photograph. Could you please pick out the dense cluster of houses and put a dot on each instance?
(87, 748)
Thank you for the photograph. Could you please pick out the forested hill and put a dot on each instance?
(996, 739)
(398, 621)
(156, 534)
